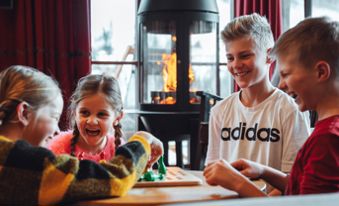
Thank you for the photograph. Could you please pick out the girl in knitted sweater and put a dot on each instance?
(30, 107)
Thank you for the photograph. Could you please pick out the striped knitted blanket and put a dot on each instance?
(35, 176)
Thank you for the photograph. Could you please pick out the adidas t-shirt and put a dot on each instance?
(270, 133)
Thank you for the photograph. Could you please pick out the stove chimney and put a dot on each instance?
(177, 5)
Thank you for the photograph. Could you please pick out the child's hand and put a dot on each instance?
(157, 149)
(248, 168)
(222, 173)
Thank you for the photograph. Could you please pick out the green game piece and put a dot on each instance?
(149, 176)
(161, 176)
(161, 166)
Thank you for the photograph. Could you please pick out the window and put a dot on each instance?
(113, 29)
(225, 15)
(328, 8)
(292, 13)
(295, 11)
(113, 36)
(113, 49)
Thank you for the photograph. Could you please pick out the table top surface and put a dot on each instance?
(171, 194)
(329, 199)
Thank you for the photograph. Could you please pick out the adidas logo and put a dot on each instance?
(251, 133)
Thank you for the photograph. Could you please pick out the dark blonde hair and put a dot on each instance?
(88, 86)
(22, 83)
(313, 39)
(252, 25)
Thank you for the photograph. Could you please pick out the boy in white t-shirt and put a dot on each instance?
(260, 122)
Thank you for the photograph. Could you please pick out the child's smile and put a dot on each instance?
(91, 132)
(94, 118)
(241, 73)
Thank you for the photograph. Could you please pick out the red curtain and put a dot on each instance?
(269, 8)
(53, 36)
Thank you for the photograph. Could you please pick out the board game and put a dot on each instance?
(175, 176)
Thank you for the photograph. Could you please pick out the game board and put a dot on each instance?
(175, 176)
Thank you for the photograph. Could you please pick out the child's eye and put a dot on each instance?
(84, 113)
(283, 74)
(229, 59)
(245, 56)
(102, 114)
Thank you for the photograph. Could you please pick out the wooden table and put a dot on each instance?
(170, 195)
(330, 199)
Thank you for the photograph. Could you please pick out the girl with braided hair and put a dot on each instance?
(30, 107)
(95, 113)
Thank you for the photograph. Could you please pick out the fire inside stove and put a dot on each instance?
(169, 76)
(176, 58)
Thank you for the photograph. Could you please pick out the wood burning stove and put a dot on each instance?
(178, 56)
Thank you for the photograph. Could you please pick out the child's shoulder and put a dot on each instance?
(229, 100)
(66, 135)
(283, 100)
(325, 133)
(61, 142)
(334, 127)
(330, 125)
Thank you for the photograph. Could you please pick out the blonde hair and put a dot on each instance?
(252, 25)
(22, 83)
(313, 39)
(90, 85)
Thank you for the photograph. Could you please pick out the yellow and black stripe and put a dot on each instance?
(33, 175)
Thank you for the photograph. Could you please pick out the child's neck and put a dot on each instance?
(256, 94)
(92, 149)
(327, 107)
(11, 131)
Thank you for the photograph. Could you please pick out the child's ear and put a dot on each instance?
(23, 113)
(323, 70)
(118, 118)
(269, 60)
(121, 115)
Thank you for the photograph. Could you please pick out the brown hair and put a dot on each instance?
(22, 83)
(313, 39)
(252, 25)
(90, 85)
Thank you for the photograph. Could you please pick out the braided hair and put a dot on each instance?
(90, 85)
(74, 140)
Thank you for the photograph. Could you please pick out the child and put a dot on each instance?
(95, 112)
(30, 107)
(260, 122)
(308, 61)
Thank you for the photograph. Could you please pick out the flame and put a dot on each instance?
(170, 72)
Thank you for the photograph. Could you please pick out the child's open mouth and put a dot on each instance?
(295, 97)
(92, 132)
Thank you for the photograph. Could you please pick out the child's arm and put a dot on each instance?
(33, 175)
(276, 178)
(255, 170)
(223, 174)
(234, 176)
